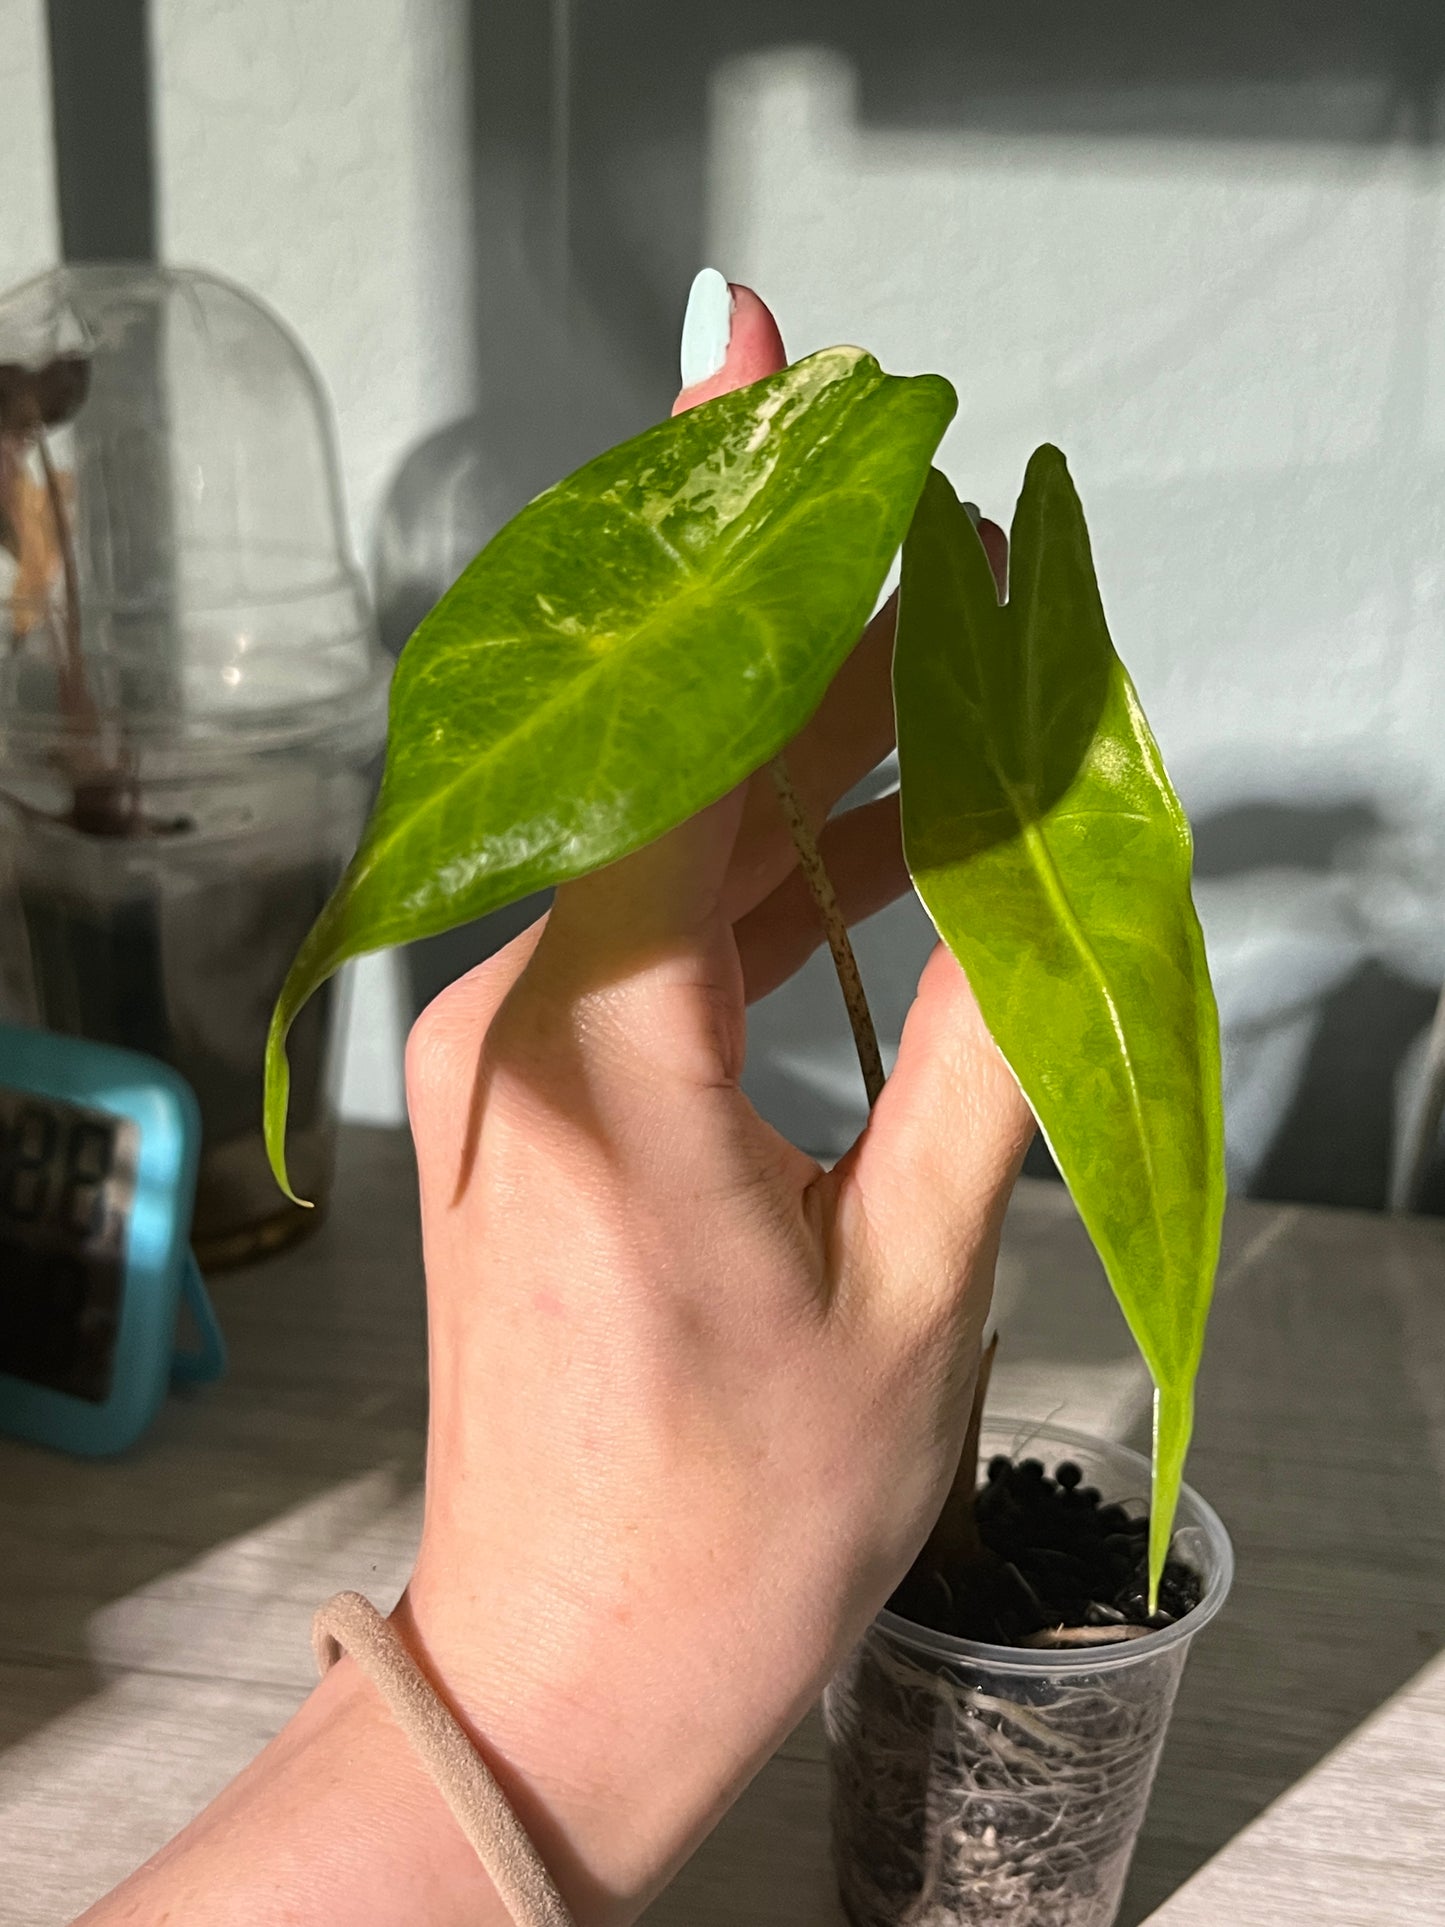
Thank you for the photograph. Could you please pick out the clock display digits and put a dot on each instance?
(26, 1160)
(67, 1186)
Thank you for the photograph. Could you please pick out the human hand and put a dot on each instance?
(695, 1403)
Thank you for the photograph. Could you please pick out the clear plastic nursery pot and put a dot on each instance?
(995, 1786)
(192, 697)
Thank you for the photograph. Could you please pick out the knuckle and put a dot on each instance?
(430, 1049)
(447, 1037)
(444, 1041)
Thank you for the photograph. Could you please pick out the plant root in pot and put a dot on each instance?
(994, 1738)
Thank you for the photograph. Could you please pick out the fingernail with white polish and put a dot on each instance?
(970, 509)
(706, 327)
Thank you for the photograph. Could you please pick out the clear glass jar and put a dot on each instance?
(192, 699)
(996, 1786)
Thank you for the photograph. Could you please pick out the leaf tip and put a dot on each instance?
(944, 389)
(1173, 1428)
(938, 484)
(276, 1099)
(1048, 462)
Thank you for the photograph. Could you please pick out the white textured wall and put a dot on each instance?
(1240, 344)
(29, 230)
(318, 154)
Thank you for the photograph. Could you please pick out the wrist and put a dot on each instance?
(335, 1820)
(619, 1745)
(603, 1840)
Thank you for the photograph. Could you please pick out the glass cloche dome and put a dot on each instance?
(183, 494)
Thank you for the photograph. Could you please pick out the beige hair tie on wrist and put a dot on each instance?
(348, 1623)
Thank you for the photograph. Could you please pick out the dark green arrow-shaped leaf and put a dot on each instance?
(1054, 858)
(634, 643)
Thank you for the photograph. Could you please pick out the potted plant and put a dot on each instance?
(641, 638)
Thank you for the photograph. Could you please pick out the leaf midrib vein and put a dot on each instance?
(1053, 885)
(578, 685)
(1055, 889)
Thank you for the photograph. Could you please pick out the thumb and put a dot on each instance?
(931, 1174)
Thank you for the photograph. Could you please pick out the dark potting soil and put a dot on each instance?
(1054, 1556)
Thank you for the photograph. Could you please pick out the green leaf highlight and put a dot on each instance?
(1054, 858)
(638, 640)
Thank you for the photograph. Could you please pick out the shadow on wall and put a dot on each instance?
(590, 172)
(591, 193)
(1351, 1050)
(1359, 1015)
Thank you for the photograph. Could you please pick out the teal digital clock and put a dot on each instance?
(98, 1154)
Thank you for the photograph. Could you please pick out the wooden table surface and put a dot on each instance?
(154, 1610)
